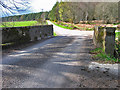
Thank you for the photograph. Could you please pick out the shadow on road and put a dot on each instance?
(60, 62)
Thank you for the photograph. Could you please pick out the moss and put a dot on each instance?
(99, 37)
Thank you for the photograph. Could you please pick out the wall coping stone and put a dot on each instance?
(27, 26)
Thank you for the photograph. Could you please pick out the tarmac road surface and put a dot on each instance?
(59, 62)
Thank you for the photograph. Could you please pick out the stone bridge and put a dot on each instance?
(104, 37)
(26, 34)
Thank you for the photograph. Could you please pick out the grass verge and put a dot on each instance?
(71, 26)
(99, 55)
(84, 28)
(54, 34)
(117, 33)
(65, 27)
(7, 44)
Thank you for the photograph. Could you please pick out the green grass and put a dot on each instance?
(106, 58)
(117, 42)
(18, 24)
(117, 33)
(54, 34)
(87, 29)
(100, 56)
(70, 26)
(7, 44)
(116, 23)
(96, 50)
(63, 26)
(82, 28)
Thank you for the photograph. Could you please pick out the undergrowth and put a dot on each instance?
(71, 26)
(100, 56)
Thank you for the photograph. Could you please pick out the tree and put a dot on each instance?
(22, 17)
(107, 11)
(42, 18)
(54, 13)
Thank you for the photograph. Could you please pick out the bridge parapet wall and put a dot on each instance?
(25, 34)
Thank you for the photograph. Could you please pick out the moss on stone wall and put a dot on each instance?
(104, 37)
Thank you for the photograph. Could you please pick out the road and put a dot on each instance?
(59, 62)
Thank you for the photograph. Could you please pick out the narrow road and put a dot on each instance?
(59, 62)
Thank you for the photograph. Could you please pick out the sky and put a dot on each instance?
(36, 6)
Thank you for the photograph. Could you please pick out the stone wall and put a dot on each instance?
(104, 37)
(26, 34)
